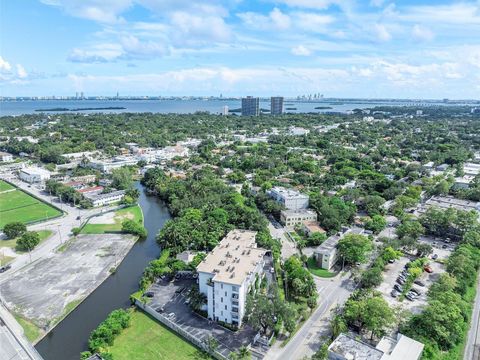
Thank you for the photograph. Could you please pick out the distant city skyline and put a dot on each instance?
(339, 48)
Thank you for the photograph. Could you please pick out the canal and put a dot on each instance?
(70, 337)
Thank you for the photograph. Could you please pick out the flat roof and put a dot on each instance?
(35, 171)
(234, 258)
(287, 193)
(104, 196)
(401, 348)
(298, 212)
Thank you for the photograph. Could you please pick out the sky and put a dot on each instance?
(339, 48)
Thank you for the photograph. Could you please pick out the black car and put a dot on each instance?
(398, 288)
(5, 268)
(179, 290)
(419, 283)
(160, 309)
(149, 294)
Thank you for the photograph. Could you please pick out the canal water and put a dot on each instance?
(70, 337)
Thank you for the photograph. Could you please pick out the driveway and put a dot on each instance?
(289, 247)
(332, 292)
(167, 296)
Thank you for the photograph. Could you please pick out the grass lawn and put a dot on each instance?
(4, 260)
(5, 186)
(133, 212)
(147, 339)
(315, 270)
(32, 332)
(44, 235)
(19, 206)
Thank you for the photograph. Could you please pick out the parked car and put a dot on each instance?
(416, 291)
(444, 246)
(394, 293)
(179, 290)
(149, 294)
(160, 309)
(410, 297)
(419, 282)
(401, 281)
(428, 269)
(391, 261)
(398, 288)
(5, 268)
(435, 257)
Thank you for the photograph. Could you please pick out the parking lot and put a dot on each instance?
(43, 290)
(169, 299)
(392, 271)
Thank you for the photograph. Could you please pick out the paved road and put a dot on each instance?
(472, 348)
(277, 231)
(13, 345)
(307, 340)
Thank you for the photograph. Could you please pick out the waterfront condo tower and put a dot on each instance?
(250, 106)
(276, 105)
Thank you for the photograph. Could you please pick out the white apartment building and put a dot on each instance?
(5, 157)
(34, 175)
(326, 253)
(226, 275)
(291, 199)
(104, 199)
(291, 218)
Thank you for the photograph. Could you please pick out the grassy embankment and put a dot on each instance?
(147, 339)
(133, 213)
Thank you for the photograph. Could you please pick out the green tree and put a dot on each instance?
(354, 248)
(122, 178)
(28, 241)
(376, 224)
(14, 229)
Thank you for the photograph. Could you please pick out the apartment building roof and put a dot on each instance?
(351, 349)
(287, 193)
(234, 258)
(298, 212)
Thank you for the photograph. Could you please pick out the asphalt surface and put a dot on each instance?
(42, 290)
(61, 228)
(332, 292)
(472, 348)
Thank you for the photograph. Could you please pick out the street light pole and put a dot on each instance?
(59, 234)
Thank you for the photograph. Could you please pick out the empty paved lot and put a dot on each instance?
(42, 290)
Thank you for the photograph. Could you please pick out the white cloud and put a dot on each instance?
(382, 33)
(103, 11)
(10, 74)
(422, 33)
(279, 19)
(313, 22)
(314, 4)
(301, 50)
(21, 72)
(4, 65)
(377, 3)
(461, 13)
(275, 20)
(98, 53)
